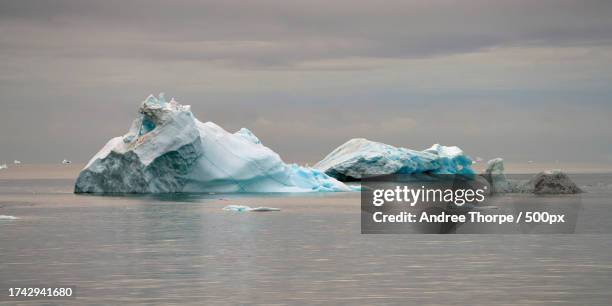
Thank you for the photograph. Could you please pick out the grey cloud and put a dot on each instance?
(73, 73)
(272, 33)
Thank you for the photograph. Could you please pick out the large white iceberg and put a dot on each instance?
(168, 150)
(359, 158)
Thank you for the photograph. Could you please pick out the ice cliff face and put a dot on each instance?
(359, 158)
(168, 150)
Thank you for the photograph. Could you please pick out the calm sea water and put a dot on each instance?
(186, 250)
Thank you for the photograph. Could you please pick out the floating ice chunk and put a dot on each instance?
(553, 182)
(496, 177)
(244, 208)
(546, 182)
(66, 162)
(237, 208)
(5, 217)
(359, 158)
(3, 166)
(16, 162)
(168, 150)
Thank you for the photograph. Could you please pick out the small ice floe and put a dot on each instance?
(244, 208)
(3, 166)
(16, 162)
(530, 161)
(5, 217)
(66, 162)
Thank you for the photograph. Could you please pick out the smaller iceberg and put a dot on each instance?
(5, 217)
(66, 162)
(359, 158)
(553, 182)
(496, 177)
(16, 162)
(3, 166)
(244, 208)
(546, 182)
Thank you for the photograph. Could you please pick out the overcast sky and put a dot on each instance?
(525, 80)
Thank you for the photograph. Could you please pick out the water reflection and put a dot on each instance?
(184, 249)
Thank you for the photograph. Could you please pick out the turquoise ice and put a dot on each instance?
(359, 158)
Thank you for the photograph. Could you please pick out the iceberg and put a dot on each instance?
(553, 182)
(359, 158)
(168, 150)
(496, 177)
(545, 182)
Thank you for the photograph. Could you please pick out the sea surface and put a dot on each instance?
(186, 250)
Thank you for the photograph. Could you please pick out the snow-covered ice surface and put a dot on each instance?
(168, 150)
(359, 158)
